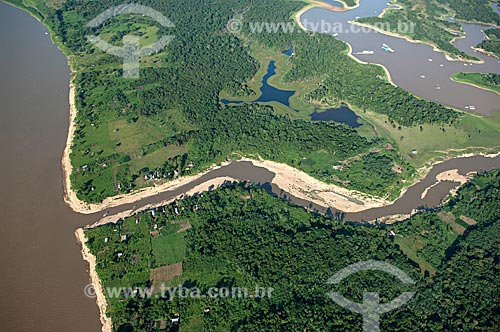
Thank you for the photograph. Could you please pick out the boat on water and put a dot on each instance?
(387, 48)
(470, 107)
(365, 52)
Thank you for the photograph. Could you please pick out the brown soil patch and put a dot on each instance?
(468, 221)
(164, 274)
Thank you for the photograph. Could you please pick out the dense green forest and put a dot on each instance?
(473, 10)
(169, 122)
(492, 44)
(431, 24)
(240, 236)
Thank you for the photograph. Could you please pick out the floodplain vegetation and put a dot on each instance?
(239, 236)
(131, 134)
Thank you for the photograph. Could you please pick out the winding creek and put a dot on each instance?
(44, 276)
(410, 61)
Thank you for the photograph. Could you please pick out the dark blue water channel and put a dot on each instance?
(288, 52)
(268, 92)
(343, 114)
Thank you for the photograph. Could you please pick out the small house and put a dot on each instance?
(175, 319)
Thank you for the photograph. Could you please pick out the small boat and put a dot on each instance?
(422, 76)
(365, 52)
(387, 48)
(105, 214)
(430, 60)
(441, 65)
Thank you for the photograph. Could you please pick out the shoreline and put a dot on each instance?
(387, 72)
(203, 187)
(298, 190)
(472, 84)
(434, 46)
(315, 4)
(96, 284)
(301, 185)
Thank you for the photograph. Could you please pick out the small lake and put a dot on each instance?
(343, 114)
(288, 52)
(268, 92)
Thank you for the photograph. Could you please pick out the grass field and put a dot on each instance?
(169, 248)
(425, 238)
(473, 133)
(477, 80)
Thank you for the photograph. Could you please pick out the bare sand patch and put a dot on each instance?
(304, 186)
(96, 282)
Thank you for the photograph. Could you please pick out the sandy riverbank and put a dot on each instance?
(79, 206)
(205, 186)
(69, 194)
(452, 176)
(387, 72)
(96, 282)
(304, 186)
(315, 4)
(97, 287)
(301, 185)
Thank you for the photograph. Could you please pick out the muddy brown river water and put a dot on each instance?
(43, 274)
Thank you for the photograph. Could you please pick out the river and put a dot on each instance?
(410, 66)
(43, 275)
(42, 271)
